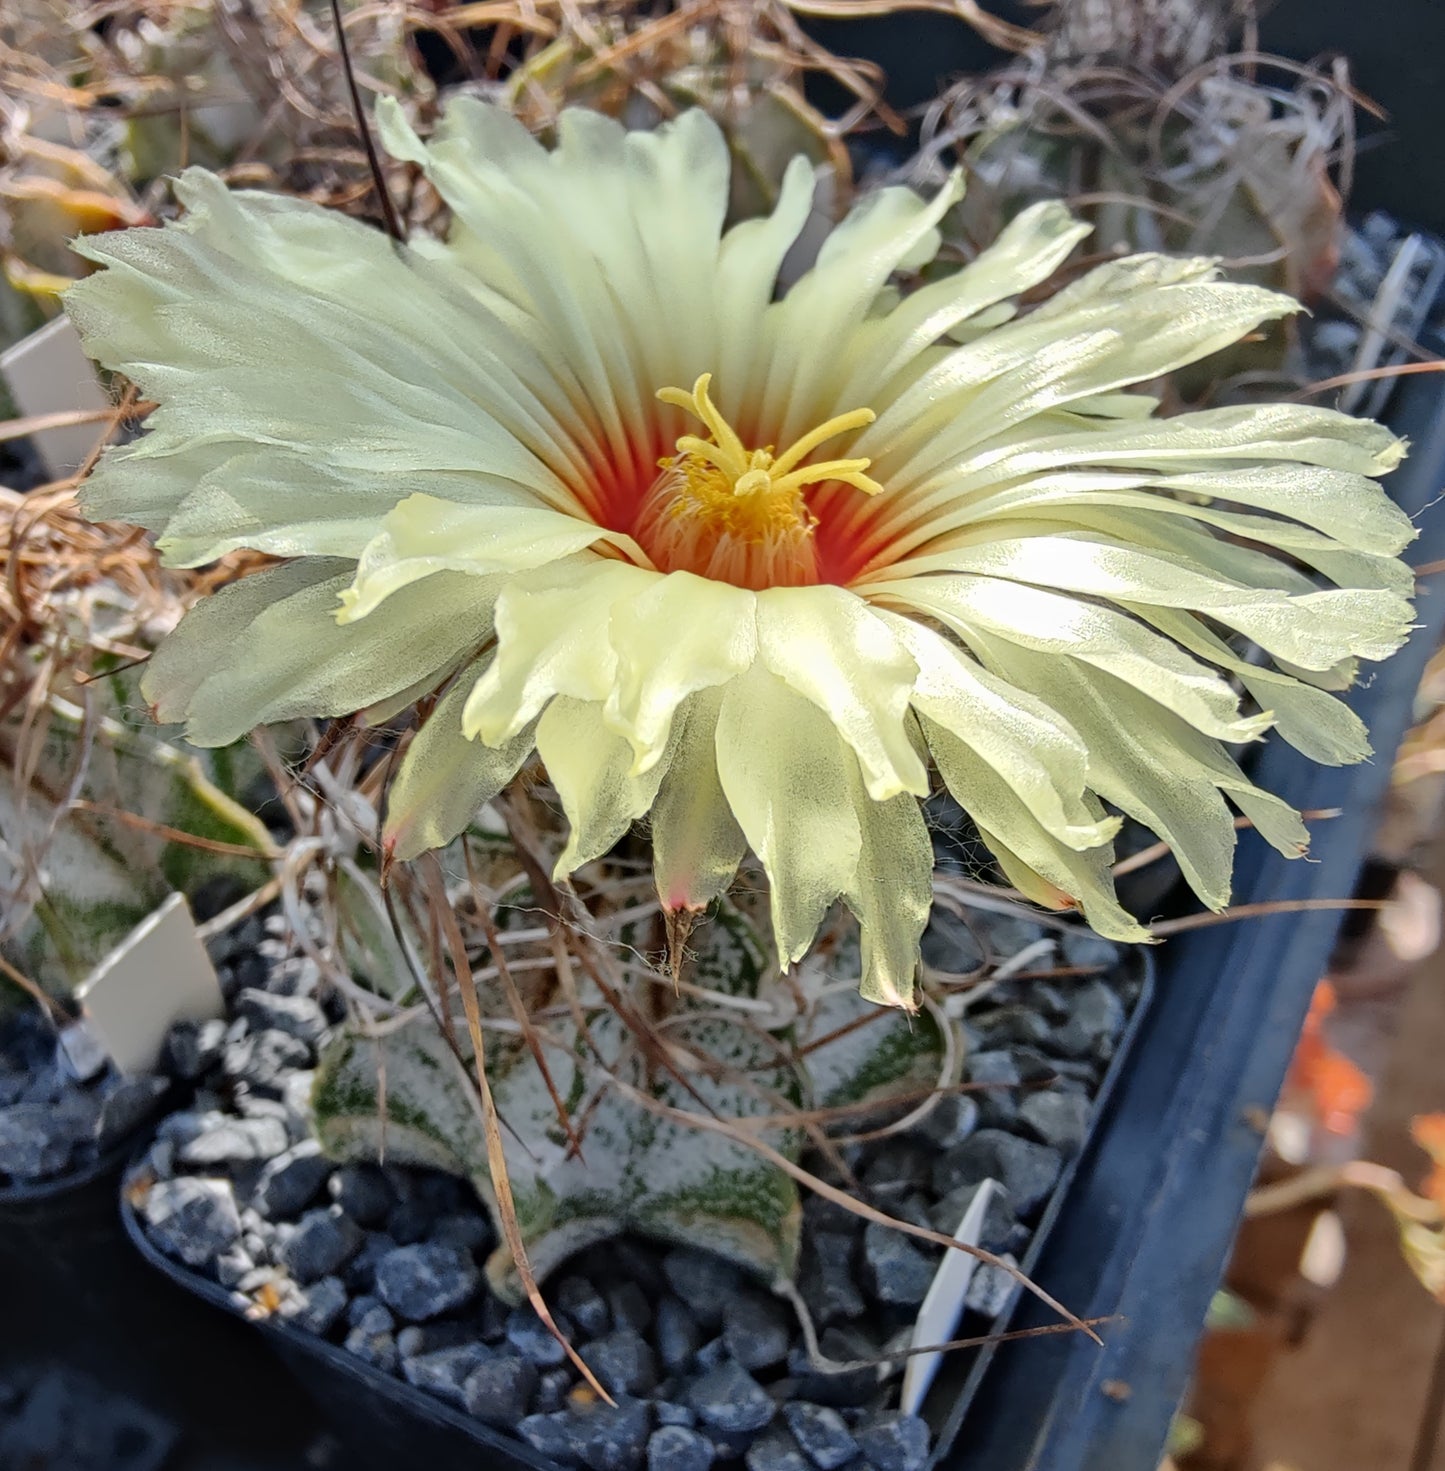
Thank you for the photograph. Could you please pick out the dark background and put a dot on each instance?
(1396, 50)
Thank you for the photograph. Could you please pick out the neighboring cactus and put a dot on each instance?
(1137, 114)
(99, 828)
(627, 1075)
(634, 67)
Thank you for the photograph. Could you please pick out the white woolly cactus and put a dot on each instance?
(743, 566)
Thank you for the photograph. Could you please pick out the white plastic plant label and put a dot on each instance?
(942, 1309)
(159, 974)
(49, 373)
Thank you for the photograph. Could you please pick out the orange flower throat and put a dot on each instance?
(737, 515)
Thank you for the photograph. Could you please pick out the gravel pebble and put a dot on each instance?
(623, 1362)
(899, 1271)
(534, 1340)
(553, 1386)
(990, 1290)
(375, 1348)
(499, 1389)
(445, 1372)
(428, 1338)
(585, 1305)
(1060, 1120)
(363, 1192)
(728, 1398)
(703, 1282)
(757, 1329)
(951, 1120)
(1096, 1016)
(676, 1448)
(319, 1307)
(822, 1433)
(676, 1333)
(422, 1282)
(291, 1181)
(893, 1442)
(826, 1278)
(193, 1048)
(1028, 1171)
(629, 1306)
(776, 1451)
(27, 1150)
(467, 1232)
(191, 1218)
(600, 1437)
(324, 1240)
(229, 1141)
(297, 1016)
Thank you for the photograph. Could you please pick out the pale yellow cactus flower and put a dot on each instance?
(745, 564)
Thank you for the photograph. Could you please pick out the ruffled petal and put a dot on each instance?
(697, 844)
(1134, 764)
(1108, 640)
(1031, 248)
(591, 768)
(1316, 723)
(1315, 630)
(677, 635)
(444, 779)
(808, 334)
(1033, 860)
(890, 895)
(268, 648)
(788, 778)
(1045, 360)
(424, 536)
(1026, 742)
(400, 366)
(829, 647)
(553, 638)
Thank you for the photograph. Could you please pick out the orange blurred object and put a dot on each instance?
(1338, 1091)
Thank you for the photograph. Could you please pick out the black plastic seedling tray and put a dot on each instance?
(385, 1421)
(1149, 1219)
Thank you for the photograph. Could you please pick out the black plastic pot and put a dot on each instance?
(76, 1295)
(385, 1422)
(1152, 1211)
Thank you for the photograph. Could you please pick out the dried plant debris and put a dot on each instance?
(1148, 118)
(100, 815)
(390, 1260)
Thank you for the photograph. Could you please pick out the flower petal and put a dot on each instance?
(891, 895)
(807, 334)
(1324, 728)
(1026, 742)
(1315, 630)
(1042, 362)
(1025, 848)
(424, 535)
(1031, 247)
(1038, 620)
(1134, 763)
(268, 648)
(400, 365)
(828, 645)
(591, 768)
(788, 778)
(696, 842)
(553, 638)
(445, 779)
(676, 635)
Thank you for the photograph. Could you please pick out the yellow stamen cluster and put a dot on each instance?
(739, 515)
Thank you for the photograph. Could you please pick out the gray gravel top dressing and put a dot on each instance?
(60, 1110)
(707, 1367)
